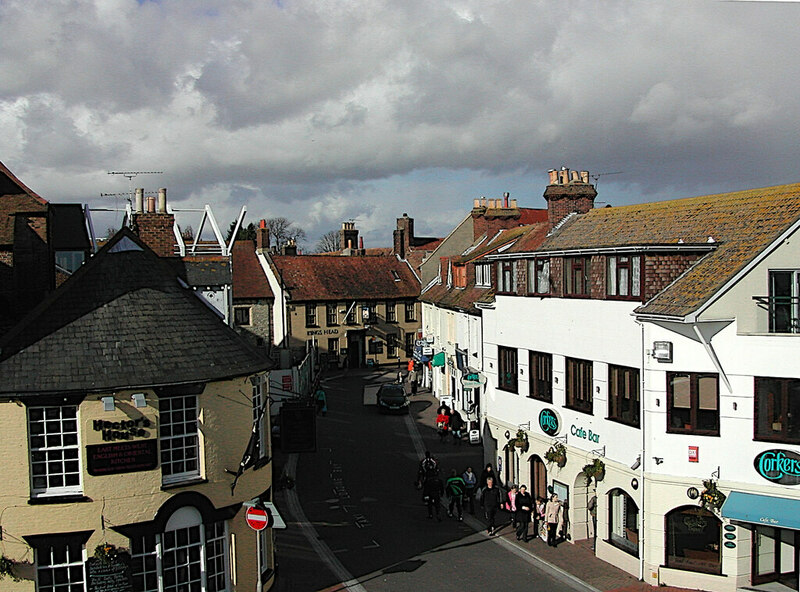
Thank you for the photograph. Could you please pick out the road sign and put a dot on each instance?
(258, 518)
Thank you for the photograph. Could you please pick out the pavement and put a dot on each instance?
(574, 561)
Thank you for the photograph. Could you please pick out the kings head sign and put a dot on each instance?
(779, 466)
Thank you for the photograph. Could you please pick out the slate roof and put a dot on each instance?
(322, 277)
(203, 270)
(741, 225)
(249, 280)
(121, 321)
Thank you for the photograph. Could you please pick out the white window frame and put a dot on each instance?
(71, 567)
(185, 429)
(483, 275)
(54, 440)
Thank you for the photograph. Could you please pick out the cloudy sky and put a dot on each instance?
(331, 110)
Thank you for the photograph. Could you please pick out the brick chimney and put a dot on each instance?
(403, 236)
(568, 192)
(290, 248)
(348, 236)
(489, 216)
(155, 225)
(262, 237)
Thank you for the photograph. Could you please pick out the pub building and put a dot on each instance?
(127, 407)
(642, 360)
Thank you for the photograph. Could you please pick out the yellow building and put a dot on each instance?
(127, 406)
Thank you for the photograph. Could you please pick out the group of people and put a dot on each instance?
(412, 376)
(462, 490)
(449, 423)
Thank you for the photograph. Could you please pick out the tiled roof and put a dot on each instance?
(249, 280)
(502, 238)
(321, 277)
(462, 299)
(122, 320)
(203, 270)
(532, 216)
(740, 224)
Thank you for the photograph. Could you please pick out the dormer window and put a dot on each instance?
(483, 275)
(506, 277)
(460, 276)
(576, 276)
(624, 276)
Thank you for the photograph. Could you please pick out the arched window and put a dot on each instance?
(693, 540)
(623, 522)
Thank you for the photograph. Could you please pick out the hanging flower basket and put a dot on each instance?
(596, 469)
(557, 454)
(521, 440)
(106, 553)
(712, 498)
(7, 568)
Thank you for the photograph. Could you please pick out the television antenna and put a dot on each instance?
(130, 175)
(598, 175)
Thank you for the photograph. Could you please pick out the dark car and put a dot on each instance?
(392, 399)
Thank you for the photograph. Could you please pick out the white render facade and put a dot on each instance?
(656, 464)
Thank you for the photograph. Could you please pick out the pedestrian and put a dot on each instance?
(412, 380)
(410, 366)
(539, 524)
(485, 474)
(510, 504)
(442, 425)
(432, 490)
(470, 481)
(322, 400)
(524, 504)
(491, 500)
(428, 467)
(454, 489)
(553, 514)
(456, 427)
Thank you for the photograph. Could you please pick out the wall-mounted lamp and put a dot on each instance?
(108, 403)
(662, 351)
(637, 463)
(139, 400)
(658, 459)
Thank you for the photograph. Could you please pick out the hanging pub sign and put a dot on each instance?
(549, 422)
(779, 466)
(472, 380)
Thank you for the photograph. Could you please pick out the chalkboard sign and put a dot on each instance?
(108, 576)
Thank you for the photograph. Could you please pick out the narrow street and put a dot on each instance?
(356, 522)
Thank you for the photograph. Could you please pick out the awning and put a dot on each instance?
(767, 510)
(438, 359)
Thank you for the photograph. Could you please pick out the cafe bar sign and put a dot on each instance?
(779, 466)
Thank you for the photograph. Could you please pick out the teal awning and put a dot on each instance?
(767, 510)
(438, 359)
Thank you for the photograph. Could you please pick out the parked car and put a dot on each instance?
(392, 399)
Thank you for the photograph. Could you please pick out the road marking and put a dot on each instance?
(323, 550)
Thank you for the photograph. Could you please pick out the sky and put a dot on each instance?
(324, 111)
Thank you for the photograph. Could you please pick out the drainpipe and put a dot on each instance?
(643, 459)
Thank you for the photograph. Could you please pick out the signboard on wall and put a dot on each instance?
(779, 466)
(694, 454)
(108, 576)
(549, 422)
(122, 457)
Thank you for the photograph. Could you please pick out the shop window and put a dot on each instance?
(54, 450)
(506, 277)
(576, 276)
(539, 276)
(579, 385)
(623, 395)
(623, 522)
(507, 369)
(693, 540)
(391, 312)
(241, 316)
(624, 276)
(178, 435)
(777, 416)
(540, 369)
(311, 314)
(179, 556)
(331, 315)
(375, 346)
(410, 338)
(693, 403)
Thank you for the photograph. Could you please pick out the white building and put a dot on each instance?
(659, 340)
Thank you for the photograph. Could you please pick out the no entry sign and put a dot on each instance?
(258, 518)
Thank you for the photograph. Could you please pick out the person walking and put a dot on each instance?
(413, 376)
(442, 425)
(428, 467)
(553, 513)
(322, 400)
(524, 503)
(454, 489)
(470, 482)
(538, 519)
(491, 500)
(456, 427)
(485, 474)
(511, 506)
(432, 490)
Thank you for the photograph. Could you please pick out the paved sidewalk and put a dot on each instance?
(576, 559)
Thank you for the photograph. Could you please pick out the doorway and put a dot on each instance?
(539, 476)
(355, 349)
(511, 474)
(775, 556)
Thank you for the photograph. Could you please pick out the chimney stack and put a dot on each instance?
(155, 228)
(568, 192)
(348, 236)
(262, 237)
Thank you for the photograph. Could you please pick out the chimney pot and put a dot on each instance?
(162, 200)
(585, 176)
(514, 203)
(360, 242)
(505, 199)
(151, 204)
(262, 223)
(476, 203)
(139, 200)
(553, 176)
